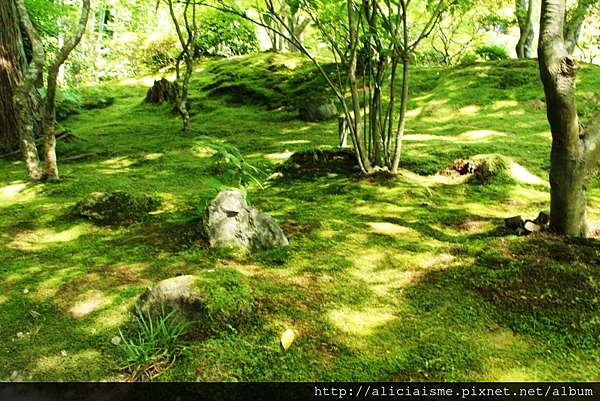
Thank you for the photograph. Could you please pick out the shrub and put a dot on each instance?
(492, 52)
(160, 51)
(228, 163)
(226, 35)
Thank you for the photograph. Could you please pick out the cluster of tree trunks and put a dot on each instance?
(23, 114)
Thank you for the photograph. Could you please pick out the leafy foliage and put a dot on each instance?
(224, 34)
(492, 52)
(228, 163)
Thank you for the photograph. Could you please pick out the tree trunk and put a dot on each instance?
(13, 56)
(524, 11)
(575, 147)
(50, 111)
(22, 96)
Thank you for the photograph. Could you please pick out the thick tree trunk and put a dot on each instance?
(11, 67)
(22, 96)
(50, 111)
(575, 147)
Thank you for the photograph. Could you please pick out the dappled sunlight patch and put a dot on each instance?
(426, 137)
(65, 361)
(87, 303)
(35, 240)
(521, 174)
(498, 371)
(529, 194)
(504, 104)
(203, 151)
(17, 191)
(279, 156)
(478, 135)
(388, 228)
(436, 261)
(470, 109)
(382, 209)
(504, 339)
(115, 316)
(360, 322)
(414, 112)
(295, 142)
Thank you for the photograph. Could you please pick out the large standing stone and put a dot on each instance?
(318, 109)
(229, 221)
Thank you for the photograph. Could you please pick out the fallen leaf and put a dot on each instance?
(116, 340)
(287, 338)
(63, 352)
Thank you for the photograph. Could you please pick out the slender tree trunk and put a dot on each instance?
(524, 11)
(50, 111)
(402, 116)
(575, 147)
(22, 96)
(573, 25)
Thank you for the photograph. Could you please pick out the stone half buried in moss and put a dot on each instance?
(217, 300)
(115, 208)
(318, 109)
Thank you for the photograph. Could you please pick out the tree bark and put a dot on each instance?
(575, 147)
(22, 96)
(50, 112)
(524, 11)
(13, 63)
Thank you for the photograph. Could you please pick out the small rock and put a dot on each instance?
(20, 334)
(514, 222)
(63, 352)
(116, 340)
(26, 291)
(531, 227)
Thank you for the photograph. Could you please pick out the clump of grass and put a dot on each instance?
(154, 347)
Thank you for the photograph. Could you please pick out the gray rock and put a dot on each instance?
(319, 109)
(229, 221)
(177, 293)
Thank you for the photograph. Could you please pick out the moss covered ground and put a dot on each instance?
(410, 278)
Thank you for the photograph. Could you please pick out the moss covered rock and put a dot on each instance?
(318, 109)
(115, 208)
(216, 301)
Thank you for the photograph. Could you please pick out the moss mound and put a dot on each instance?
(214, 301)
(312, 162)
(114, 208)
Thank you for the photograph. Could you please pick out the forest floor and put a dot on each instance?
(411, 278)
